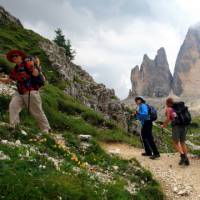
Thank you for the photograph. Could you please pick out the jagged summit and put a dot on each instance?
(154, 78)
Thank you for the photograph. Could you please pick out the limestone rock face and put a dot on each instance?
(82, 86)
(187, 69)
(7, 18)
(154, 78)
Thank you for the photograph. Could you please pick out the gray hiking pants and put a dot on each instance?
(19, 101)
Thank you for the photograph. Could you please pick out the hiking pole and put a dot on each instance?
(162, 132)
(166, 147)
(166, 130)
(29, 101)
(141, 139)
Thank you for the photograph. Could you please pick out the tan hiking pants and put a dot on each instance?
(19, 101)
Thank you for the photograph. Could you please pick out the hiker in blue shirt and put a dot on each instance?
(146, 132)
(142, 114)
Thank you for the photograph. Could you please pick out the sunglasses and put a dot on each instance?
(15, 56)
(29, 59)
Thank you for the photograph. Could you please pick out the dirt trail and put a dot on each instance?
(178, 182)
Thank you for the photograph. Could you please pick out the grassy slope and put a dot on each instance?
(30, 172)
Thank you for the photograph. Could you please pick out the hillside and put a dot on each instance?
(68, 163)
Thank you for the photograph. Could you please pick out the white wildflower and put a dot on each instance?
(3, 156)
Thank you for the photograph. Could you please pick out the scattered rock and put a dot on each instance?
(4, 156)
(24, 132)
(183, 193)
(114, 151)
(85, 138)
(18, 142)
(84, 146)
(115, 168)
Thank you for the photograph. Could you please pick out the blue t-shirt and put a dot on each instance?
(143, 113)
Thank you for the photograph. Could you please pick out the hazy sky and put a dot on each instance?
(111, 36)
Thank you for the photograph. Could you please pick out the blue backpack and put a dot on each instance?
(152, 113)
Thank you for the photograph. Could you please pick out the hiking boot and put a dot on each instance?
(187, 162)
(155, 157)
(146, 154)
(184, 160)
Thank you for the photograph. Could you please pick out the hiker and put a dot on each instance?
(146, 132)
(178, 132)
(27, 93)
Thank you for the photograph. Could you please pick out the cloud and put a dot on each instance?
(111, 36)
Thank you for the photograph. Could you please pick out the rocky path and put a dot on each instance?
(178, 182)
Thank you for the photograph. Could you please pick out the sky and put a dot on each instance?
(111, 36)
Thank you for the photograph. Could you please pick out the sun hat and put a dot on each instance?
(12, 53)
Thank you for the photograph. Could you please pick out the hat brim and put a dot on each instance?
(139, 98)
(10, 54)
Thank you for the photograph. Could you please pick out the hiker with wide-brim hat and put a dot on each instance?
(27, 93)
(142, 114)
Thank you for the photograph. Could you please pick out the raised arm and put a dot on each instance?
(167, 119)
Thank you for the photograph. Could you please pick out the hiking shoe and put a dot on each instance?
(146, 154)
(155, 157)
(182, 161)
(187, 162)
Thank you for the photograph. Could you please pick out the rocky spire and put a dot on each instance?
(154, 78)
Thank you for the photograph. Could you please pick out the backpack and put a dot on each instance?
(183, 116)
(152, 113)
(38, 80)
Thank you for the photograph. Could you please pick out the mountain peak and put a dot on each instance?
(161, 51)
(154, 77)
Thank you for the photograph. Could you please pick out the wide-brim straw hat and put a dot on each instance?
(10, 54)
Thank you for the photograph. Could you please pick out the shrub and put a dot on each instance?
(93, 117)
(117, 192)
(150, 192)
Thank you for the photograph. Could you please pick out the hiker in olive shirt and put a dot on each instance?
(28, 92)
